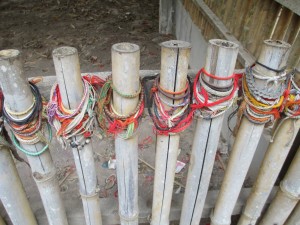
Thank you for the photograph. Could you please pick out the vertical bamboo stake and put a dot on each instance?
(174, 67)
(220, 60)
(287, 196)
(269, 170)
(12, 193)
(294, 218)
(19, 98)
(273, 54)
(67, 68)
(125, 77)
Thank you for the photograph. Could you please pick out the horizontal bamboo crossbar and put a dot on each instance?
(109, 208)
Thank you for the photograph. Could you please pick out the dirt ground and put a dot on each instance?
(91, 26)
(38, 27)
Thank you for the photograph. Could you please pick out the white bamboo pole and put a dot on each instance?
(294, 218)
(174, 67)
(287, 197)
(2, 221)
(67, 68)
(269, 170)
(273, 54)
(220, 60)
(19, 98)
(12, 193)
(125, 76)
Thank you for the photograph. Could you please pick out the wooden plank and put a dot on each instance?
(294, 55)
(293, 29)
(282, 25)
(291, 4)
(271, 9)
(241, 16)
(245, 57)
(257, 22)
(166, 9)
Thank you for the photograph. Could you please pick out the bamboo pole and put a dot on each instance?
(273, 54)
(12, 193)
(270, 169)
(2, 221)
(220, 60)
(125, 77)
(294, 218)
(67, 68)
(174, 67)
(287, 197)
(19, 98)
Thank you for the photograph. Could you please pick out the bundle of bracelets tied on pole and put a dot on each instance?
(264, 104)
(112, 122)
(212, 101)
(173, 120)
(80, 121)
(29, 127)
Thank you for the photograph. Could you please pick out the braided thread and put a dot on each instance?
(262, 108)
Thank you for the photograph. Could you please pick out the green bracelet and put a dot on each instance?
(17, 144)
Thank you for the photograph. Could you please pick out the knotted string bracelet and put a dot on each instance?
(77, 122)
(111, 121)
(29, 127)
(168, 118)
(213, 101)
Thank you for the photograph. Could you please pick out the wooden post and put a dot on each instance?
(271, 166)
(18, 97)
(273, 54)
(166, 14)
(287, 197)
(174, 67)
(220, 60)
(125, 77)
(67, 68)
(12, 193)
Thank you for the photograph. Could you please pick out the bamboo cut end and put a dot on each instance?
(125, 47)
(175, 44)
(64, 51)
(277, 43)
(223, 44)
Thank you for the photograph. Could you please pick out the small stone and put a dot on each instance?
(87, 140)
